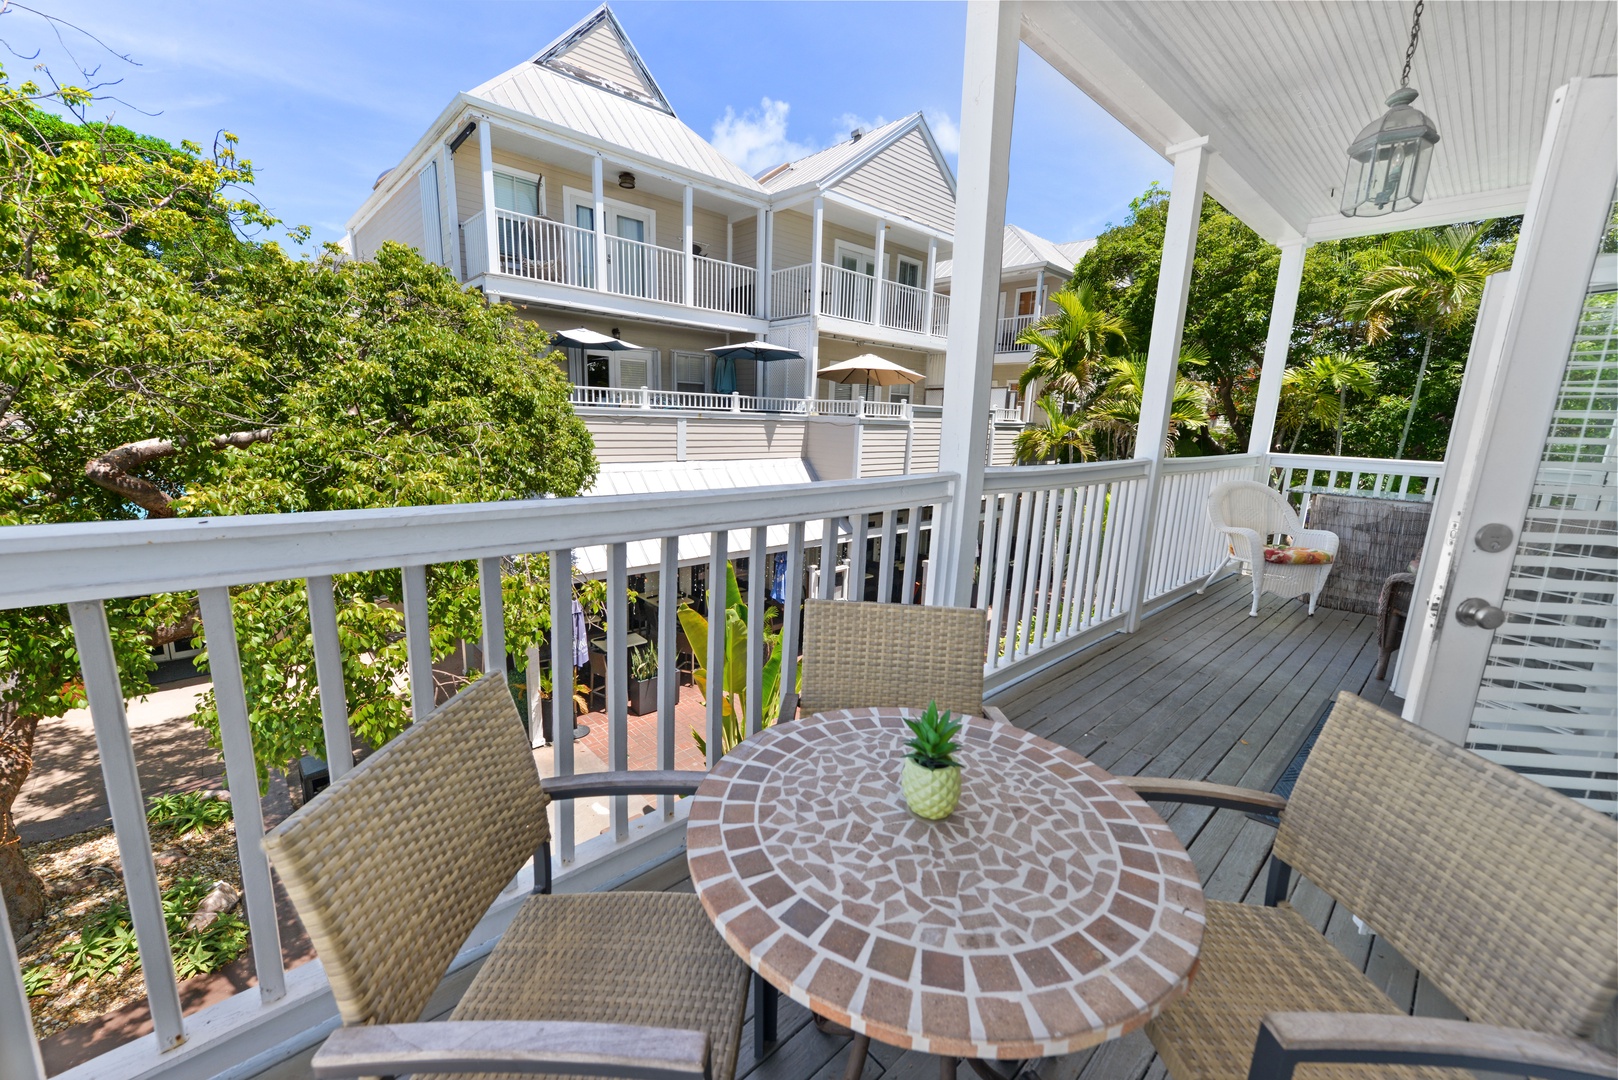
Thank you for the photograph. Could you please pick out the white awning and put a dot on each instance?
(647, 477)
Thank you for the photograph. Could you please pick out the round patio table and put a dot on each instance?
(1053, 910)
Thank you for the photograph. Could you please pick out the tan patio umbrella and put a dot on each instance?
(870, 369)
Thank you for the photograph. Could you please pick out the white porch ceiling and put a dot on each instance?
(1281, 88)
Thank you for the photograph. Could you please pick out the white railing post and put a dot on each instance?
(418, 643)
(491, 237)
(763, 252)
(19, 1049)
(878, 304)
(1163, 352)
(1288, 279)
(687, 254)
(645, 397)
(562, 676)
(598, 221)
(989, 88)
(817, 270)
(735, 401)
(718, 555)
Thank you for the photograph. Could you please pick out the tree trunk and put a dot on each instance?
(1342, 412)
(22, 889)
(1415, 395)
(1242, 426)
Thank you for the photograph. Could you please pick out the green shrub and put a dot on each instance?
(190, 811)
(39, 979)
(107, 939)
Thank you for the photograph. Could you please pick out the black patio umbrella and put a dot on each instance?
(724, 376)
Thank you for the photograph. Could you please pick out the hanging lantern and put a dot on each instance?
(1388, 162)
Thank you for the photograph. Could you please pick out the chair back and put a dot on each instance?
(1247, 504)
(393, 865)
(1501, 891)
(866, 655)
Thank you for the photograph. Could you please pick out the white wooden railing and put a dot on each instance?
(532, 248)
(1185, 546)
(940, 315)
(1005, 337)
(789, 292)
(1301, 476)
(645, 270)
(84, 565)
(717, 285)
(846, 294)
(623, 397)
(904, 307)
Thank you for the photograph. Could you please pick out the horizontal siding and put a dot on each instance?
(891, 248)
(828, 446)
(730, 440)
(793, 234)
(924, 449)
(882, 450)
(648, 439)
(1004, 450)
(397, 219)
(906, 179)
(745, 237)
(600, 53)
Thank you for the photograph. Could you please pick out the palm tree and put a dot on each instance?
(1115, 411)
(1317, 392)
(1435, 278)
(1064, 439)
(1068, 343)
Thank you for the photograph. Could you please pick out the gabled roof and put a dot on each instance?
(1023, 252)
(821, 167)
(592, 81)
(897, 167)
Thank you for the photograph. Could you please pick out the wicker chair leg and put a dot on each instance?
(1275, 887)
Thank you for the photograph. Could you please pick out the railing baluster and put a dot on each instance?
(1119, 532)
(758, 581)
(791, 612)
(717, 589)
(912, 547)
(418, 643)
(668, 658)
(329, 673)
(19, 1049)
(1031, 559)
(618, 677)
(1088, 526)
(562, 673)
(492, 605)
(1019, 560)
(102, 687)
(1061, 580)
(1000, 599)
(884, 568)
(828, 559)
(236, 739)
(857, 560)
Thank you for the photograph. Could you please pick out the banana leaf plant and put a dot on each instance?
(733, 692)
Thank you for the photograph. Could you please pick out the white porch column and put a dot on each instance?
(881, 271)
(688, 257)
(598, 200)
(761, 292)
(730, 241)
(491, 236)
(1163, 350)
(989, 90)
(452, 253)
(1282, 310)
(816, 270)
(927, 301)
(1039, 294)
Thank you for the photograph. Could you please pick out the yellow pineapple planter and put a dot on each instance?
(931, 780)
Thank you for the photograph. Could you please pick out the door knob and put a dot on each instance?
(1477, 611)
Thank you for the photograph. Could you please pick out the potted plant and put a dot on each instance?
(931, 780)
(642, 680)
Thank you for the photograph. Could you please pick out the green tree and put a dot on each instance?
(1432, 278)
(1069, 343)
(1063, 439)
(155, 363)
(1317, 392)
(1115, 412)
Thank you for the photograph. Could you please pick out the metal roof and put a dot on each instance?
(822, 166)
(1280, 87)
(1021, 250)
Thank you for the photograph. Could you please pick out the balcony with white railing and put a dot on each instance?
(851, 296)
(1006, 331)
(1063, 556)
(644, 398)
(540, 250)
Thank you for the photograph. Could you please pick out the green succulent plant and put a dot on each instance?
(933, 746)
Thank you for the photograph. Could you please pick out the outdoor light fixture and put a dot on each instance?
(626, 180)
(1388, 163)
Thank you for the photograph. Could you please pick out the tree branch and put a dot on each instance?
(113, 469)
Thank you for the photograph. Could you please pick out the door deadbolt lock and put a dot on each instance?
(1493, 538)
(1478, 612)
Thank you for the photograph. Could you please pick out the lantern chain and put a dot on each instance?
(1410, 51)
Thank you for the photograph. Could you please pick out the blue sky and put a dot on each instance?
(324, 96)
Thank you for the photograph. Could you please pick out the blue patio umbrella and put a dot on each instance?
(725, 357)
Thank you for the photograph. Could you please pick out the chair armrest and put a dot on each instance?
(631, 782)
(1287, 1040)
(514, 1046)
(1255, 542)
(995, 713)
(1202, 793)
(789, 705)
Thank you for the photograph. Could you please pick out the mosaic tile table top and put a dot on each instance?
(1053, 910)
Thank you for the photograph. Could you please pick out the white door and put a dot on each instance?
(1517, 647)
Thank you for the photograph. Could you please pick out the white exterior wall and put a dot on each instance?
(397, 219)
(905, 178)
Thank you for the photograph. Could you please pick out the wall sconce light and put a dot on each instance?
(626, 180)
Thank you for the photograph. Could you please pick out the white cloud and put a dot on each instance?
(945, 131)
(848, 122)
(757, 139)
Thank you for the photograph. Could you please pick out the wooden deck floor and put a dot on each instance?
(1205, 692)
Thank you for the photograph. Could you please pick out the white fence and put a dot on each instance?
(789, 292)
(723, 286)
(940, 315)
(623, 397)
(645, 270)
(1303, 475)
(846, 294)
(532, 248)
(1185, 547)
(904, 307)
(1005, 336)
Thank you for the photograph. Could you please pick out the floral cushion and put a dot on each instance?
(1296, 556)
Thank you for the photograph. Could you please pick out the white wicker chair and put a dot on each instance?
(1251, 514)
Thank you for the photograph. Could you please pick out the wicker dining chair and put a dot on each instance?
(867, 655)
(1501, 892)
(1250, 514)
(394, 865)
